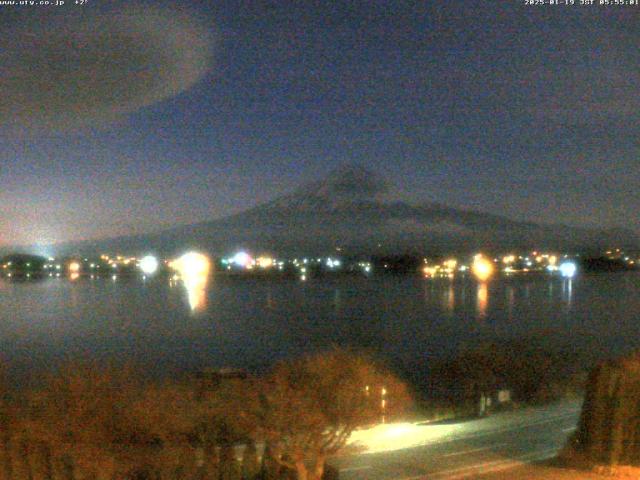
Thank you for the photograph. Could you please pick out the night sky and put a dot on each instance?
(121, 117)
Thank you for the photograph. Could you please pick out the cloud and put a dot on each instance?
(77, 71)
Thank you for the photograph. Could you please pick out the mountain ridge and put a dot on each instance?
(349, 209)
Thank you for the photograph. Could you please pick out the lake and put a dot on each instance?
(251, 322)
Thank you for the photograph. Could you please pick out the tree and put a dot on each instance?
(81, 420)
(250, 466)
(608, 431)
(308, 408)
(6, 427)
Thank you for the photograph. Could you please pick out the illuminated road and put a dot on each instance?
(461, 450)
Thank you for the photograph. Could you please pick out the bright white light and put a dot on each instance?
(242, 259)
(192, 264)
(568, 269)
(331, 263)
(149, 265)
(399, 436)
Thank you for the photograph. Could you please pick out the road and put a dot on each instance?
(462, 449)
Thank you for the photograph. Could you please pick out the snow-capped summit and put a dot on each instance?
(347, 185)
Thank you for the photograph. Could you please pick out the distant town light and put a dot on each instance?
(149, 265)
(192, 264)
(265, 262)
(482, 268)
(568, 269)
(74, 267)
(242, 259)
(430, 271)
(451, 264)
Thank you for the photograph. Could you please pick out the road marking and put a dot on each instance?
(473, 450)
(355, 469)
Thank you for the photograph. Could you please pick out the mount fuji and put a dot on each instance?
(348, 210)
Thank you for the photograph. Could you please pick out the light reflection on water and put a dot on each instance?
(510, 299)
(483, 299)
(196, 287)
(567, 291)
(251, 322)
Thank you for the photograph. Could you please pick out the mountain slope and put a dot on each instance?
(348, 209)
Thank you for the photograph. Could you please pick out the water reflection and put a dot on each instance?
(511, 300)
(482, 299)
(337, 299)
(196, 288)
(450, 297)
(193, 269)
(403, 317)
(270, 302)
(567, 291)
